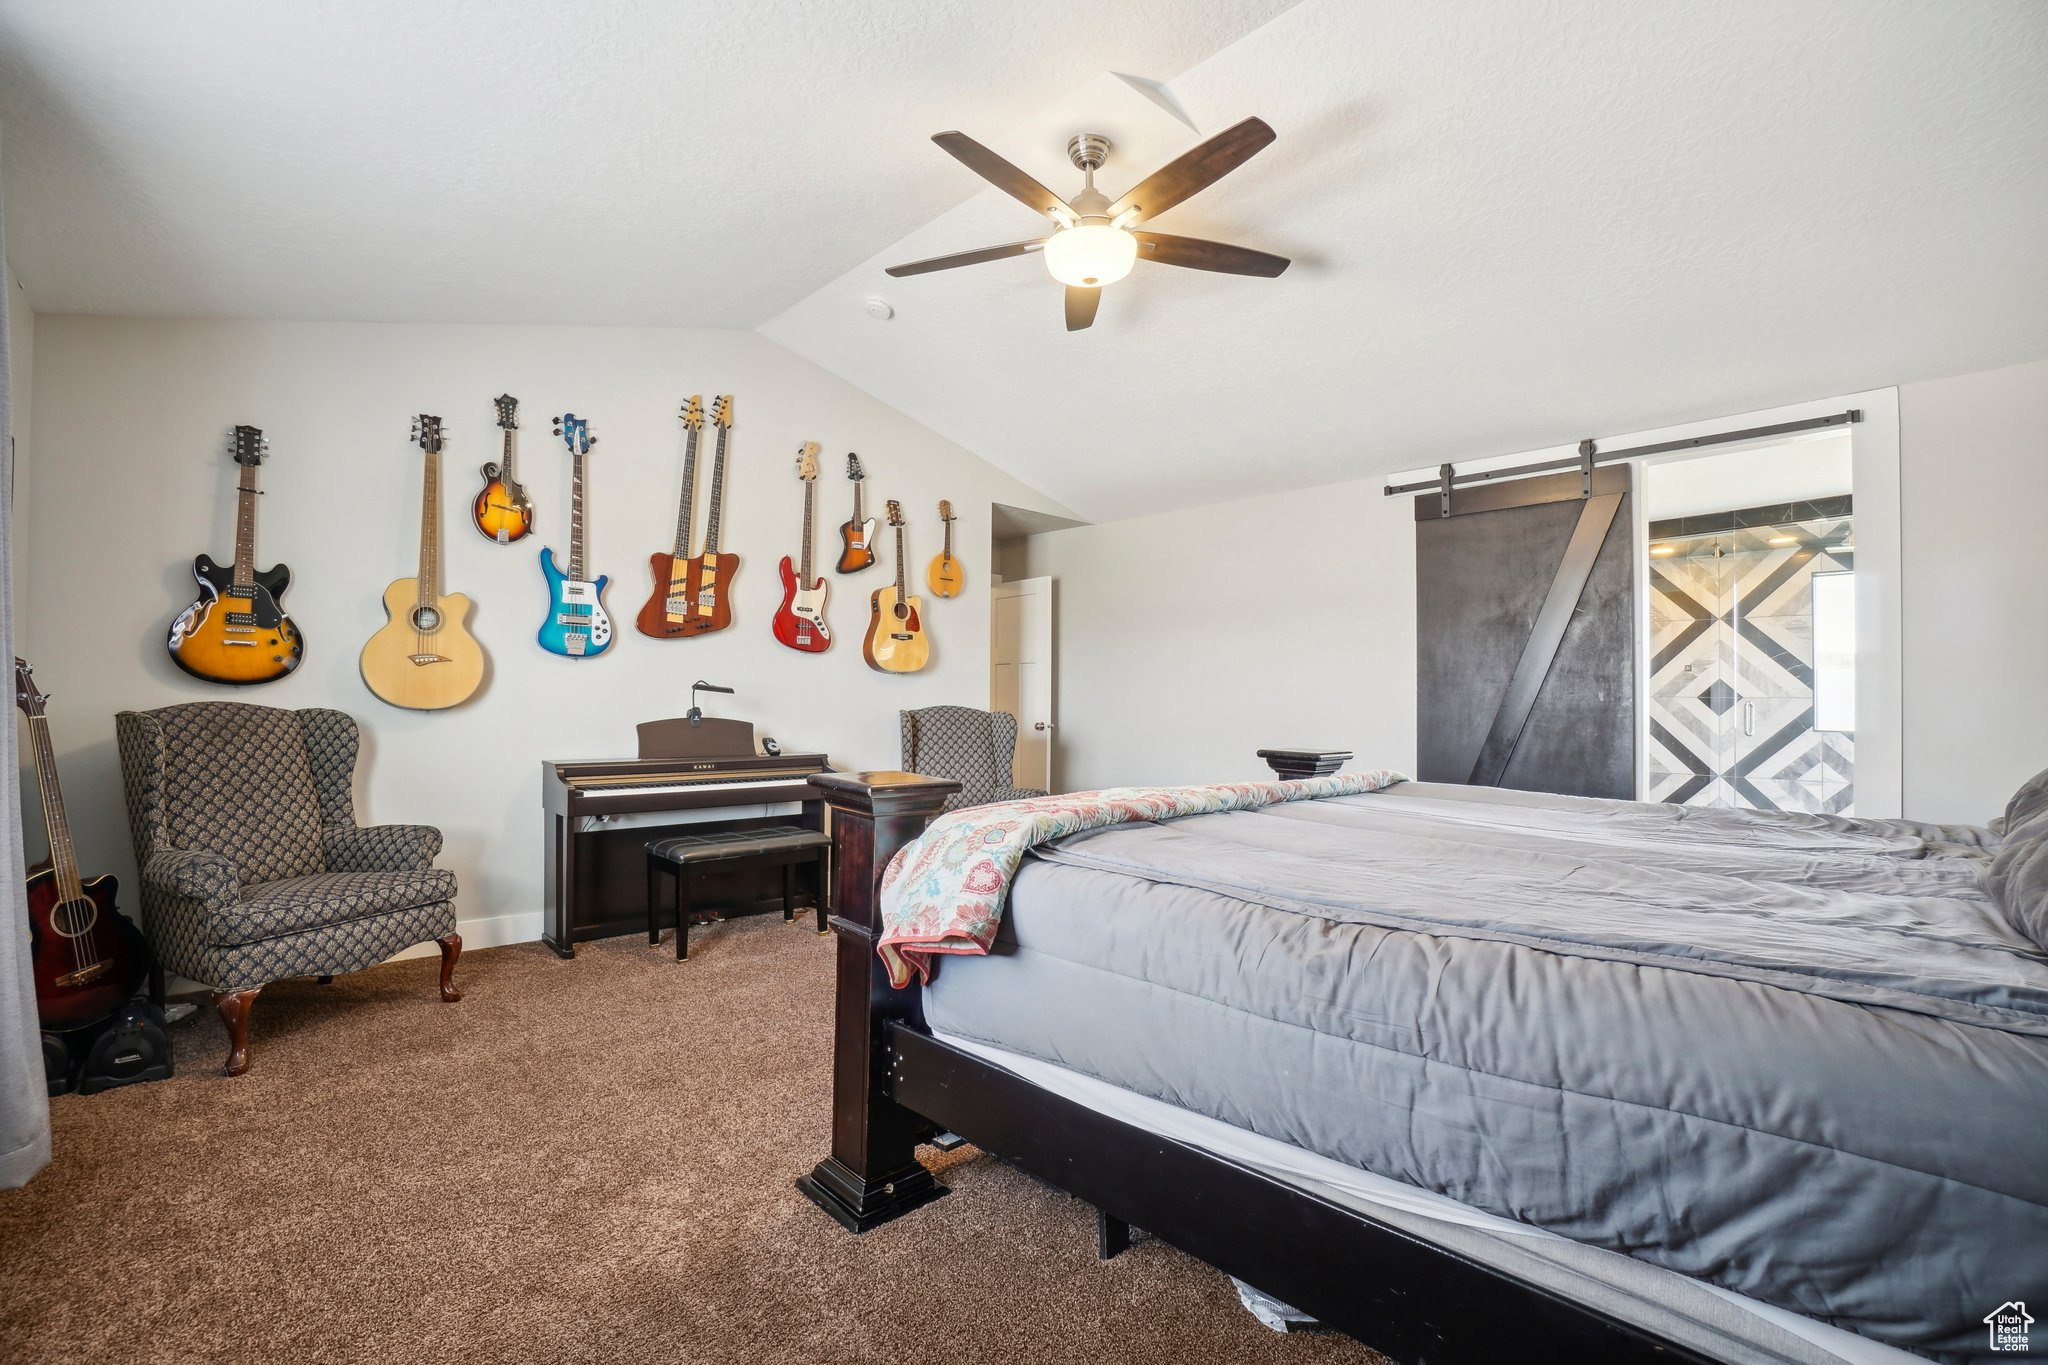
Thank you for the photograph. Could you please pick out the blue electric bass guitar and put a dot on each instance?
(577, 627)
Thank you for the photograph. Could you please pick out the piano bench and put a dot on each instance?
(781, 846)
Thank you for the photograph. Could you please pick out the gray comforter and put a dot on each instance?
(1801, 1057)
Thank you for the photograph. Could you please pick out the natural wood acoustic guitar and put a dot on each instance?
(800, 621)
(502, 511)
(856, 533)
(896, 642)
(946, 574)
(237, 632)
(86, 957)
(424, 658)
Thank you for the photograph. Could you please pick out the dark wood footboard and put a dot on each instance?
(894, 1086)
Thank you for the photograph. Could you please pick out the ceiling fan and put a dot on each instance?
(1092, 243)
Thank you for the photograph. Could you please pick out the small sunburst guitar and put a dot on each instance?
(857, 533)
(237, 632)
(946, 575)
(424, 658)
(577, 627)
(502, 511)
(896, 642)
(800, 621)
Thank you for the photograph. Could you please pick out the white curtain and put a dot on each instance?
(24, 1102)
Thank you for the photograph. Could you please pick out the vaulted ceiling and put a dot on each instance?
(1512, 225)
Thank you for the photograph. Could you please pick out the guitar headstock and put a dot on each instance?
(248, 445)
(895, 512)
(575, 433)
(508, 411)
(26, 695)
(853, 469)
(807, 461)
(721, 411)
(945, 510)
(693, 412)
(426, 433)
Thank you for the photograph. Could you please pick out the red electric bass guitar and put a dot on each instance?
(88, 959)
(800, 622)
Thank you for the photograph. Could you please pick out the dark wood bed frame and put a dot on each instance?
(895, 1086)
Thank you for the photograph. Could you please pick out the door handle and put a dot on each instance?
(1042, 725)
(1749, 718)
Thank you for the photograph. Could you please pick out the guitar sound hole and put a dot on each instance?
(426, 619)
(73, 918)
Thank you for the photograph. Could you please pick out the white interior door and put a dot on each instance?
(1020, 672)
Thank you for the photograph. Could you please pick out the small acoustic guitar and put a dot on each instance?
(857, 533)
(800, 622)
(424, 658)
(87, 958)
(577, 626)
(502, 511)
(896, 642)
(237, 632)
(946, 575)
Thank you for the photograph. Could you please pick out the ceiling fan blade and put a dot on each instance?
(1081, 305)
(987, 253)
(1196, 254)
(1192, 172)
(1001, 173)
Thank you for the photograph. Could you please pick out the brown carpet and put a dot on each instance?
(582, 1161)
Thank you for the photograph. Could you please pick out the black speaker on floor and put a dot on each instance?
(128, 1049)
(58, 1065)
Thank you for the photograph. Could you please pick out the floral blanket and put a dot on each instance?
(944, 892)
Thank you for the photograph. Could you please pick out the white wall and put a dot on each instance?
(1725, 479)
(1975, 489)
(21, 345)
(1189, 640)
(130, 433)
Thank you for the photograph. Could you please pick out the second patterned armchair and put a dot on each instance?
(974, 748)
(252, 864)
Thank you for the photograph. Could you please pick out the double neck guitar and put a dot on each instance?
(692, 593)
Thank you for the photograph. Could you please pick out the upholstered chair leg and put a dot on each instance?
(234, 1007)
(451, 948)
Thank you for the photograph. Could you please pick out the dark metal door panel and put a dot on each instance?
(1483, 577)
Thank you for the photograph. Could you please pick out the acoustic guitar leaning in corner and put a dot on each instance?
(800, 621)
(857, 533)
(237, 632)
(577, 626)
(896, 642)
(946, 574)
(424, 658)
(502, 511)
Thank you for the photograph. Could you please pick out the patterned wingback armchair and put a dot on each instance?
(252, 865)
(972, 747)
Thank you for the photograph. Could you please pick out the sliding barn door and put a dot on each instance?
(1526, 632)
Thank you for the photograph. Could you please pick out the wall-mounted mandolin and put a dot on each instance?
(87, 958)
(237, 632)
(800, 622)
(946, 574)
(502, 511)
(896, 642)
(424, 658)
(577, 627)
(857, 533)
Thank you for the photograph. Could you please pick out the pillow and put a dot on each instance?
(2018, 878)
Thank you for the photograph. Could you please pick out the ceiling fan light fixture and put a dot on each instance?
(1090, 254)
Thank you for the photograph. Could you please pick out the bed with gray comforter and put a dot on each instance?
(1801, 1057)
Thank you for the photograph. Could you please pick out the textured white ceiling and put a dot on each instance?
(616, 161)
(1513, 226)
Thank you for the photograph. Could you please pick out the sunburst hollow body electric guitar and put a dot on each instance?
(946, 574)
(237, 632)
(577, 627)
(857, 533)
(800, 622)
(502, 511)
(86, 957)
(896, 642)
(424, 658)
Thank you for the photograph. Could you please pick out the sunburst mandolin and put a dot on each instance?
(424, 658)
(237, 632)
(503, 512)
